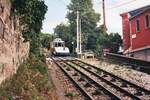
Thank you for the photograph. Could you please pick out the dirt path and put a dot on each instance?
(59, 89)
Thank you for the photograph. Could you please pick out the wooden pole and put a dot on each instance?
(104, 16)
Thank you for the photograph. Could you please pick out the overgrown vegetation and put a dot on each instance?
(46, 40)
(30, 83)
(31, 13)
(70, 94)
(94, 37)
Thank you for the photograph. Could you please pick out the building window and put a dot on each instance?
(147, 23)
(137, 25)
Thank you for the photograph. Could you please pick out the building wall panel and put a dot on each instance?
(126, 31)
(142, 38)
(143, 54)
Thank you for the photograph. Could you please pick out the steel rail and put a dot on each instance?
(111, 94)
(116, 77)
(87, 95)
(110, 83)
(138, 88)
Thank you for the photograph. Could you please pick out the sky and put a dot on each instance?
(57, 10)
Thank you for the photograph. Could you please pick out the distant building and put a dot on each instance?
(136, 33)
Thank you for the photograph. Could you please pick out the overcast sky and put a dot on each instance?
(57, 10)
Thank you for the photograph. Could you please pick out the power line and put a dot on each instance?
(122, 4)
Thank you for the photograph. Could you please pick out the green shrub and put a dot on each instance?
(30, 81)
(70, 94)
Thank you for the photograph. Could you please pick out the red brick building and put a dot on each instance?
(136, 33)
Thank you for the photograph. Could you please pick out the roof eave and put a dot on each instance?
(139, 13)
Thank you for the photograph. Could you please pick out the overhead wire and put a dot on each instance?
(123, 4)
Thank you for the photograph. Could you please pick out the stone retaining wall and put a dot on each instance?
(13, 51)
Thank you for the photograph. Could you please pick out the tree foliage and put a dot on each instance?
(94, 37)
(64, 32)
(89, 21)
(31, 14)
(115, 42)
(46, 40)
(88, 18)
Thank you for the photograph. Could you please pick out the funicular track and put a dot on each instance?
(88, 87)
(124, 89)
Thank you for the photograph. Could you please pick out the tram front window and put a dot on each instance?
(60, 44)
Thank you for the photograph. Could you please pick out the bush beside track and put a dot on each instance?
(31, 82)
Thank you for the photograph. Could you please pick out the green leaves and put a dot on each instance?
(89, 21)
(64, 32)
(31, 82)
(31, 14)
(88, 16)
(94, 37)
(46, 39)
(115, 42)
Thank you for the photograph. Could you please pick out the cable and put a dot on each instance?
(122, 4)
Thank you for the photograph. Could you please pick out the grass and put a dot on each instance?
(30, 83)
(70, 94)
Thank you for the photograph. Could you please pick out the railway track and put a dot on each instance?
(114, 84)
(131, 62)
(89, 88)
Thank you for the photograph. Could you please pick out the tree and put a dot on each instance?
(89, 21)
(115, 42)
(88, 17)
(31, 13)
(94, 37)
(63, 32)
(46, 39)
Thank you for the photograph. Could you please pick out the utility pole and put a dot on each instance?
(77, 49)
(80, 38)
(104, 16)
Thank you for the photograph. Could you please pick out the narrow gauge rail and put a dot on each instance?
(130, 89)
(88, 86)
(88, 97)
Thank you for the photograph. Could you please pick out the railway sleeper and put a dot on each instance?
(81, 79)
(107, 91)
(131, 84)
(87, 85)
(124, 84)
(87, 96)
(75, 74)
(118, 88)
(96, 92)
(113, 80)
(68, 69)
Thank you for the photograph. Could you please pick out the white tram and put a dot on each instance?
(58, 48)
